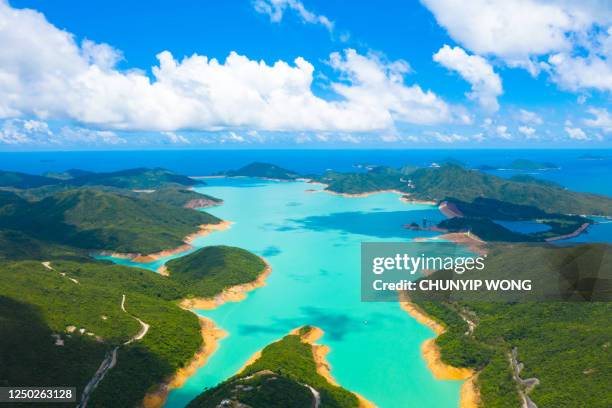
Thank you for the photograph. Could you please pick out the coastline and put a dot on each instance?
(473, 242)
(319, 353)
(469, 394)
(235, 293)
(204, 230)
(211, 335)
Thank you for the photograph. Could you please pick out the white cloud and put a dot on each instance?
(577, 73)
(575, 133)
(175, 138)
(528, 117)
(46, 75)
(486, 84)
(520, 32)
(80, 135)
(275, 9)
(602, 119)
(529, 132)
(19, 132)
(371, 84)
(448, 137)
(502, 132)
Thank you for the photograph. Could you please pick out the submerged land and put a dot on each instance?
(65, 313)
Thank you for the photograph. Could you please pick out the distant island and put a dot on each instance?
(262, 170)
(592, 157)
(522, 164)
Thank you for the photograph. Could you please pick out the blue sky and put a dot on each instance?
(305, 74)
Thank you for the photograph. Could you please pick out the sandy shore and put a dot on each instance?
(474, 243)
(470, 395)
(210, 341)
(319, 352)
(204, 229)
(233, 294)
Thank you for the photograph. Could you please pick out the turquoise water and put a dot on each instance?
(312, 241)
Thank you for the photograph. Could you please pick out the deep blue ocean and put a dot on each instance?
(576, 172)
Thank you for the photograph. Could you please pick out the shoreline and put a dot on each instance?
(469, 396)
(473, 242)
(319, 353)
(204, 229)
(234, 293)
(211, 335)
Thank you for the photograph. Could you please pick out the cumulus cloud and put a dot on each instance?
(448, 137)
(175, 138)
(602, 119)
(20, 132)
(371, 84)
(575, 133)
(502, 132)
(529, 132)
(537, 34)
(275, 9)
(486, 84)
(528, 117)
(46, 74)
(80, 135)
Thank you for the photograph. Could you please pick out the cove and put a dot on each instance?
(312, 241)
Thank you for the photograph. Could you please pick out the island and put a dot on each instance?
(291, 372)
(262, 170)
(522, 164)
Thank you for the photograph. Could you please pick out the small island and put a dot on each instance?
(291, 372)
(211, 270)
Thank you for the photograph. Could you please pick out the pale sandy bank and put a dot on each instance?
(204, 229)
(232, 294)
(210, 341)
(470, 396)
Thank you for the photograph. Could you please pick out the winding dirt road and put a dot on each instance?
(110, 359)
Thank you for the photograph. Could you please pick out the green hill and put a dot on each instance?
(211, 269)
(479, 216)
(466, 185)
(56, 329)
(285, 368)
(562, 344)
(139, 178)
(22, 180)
(96, 220)
(379, 178)
(265, 170)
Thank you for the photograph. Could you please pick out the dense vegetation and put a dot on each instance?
(291, 360)
(23, 180)
(139, 178)
(264, 170)
(92, 219)
(36, 302)
(211, 269)
(451, 181)
(378, 178)
(479, 216)
(565, 345)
